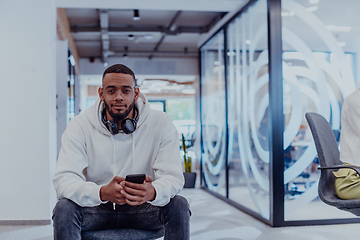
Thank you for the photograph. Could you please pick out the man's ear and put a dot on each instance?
(101, 94)
(137, 93)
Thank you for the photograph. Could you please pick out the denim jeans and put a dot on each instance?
(70, 219)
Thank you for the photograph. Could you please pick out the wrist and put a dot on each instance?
(154, 194)
(102, 194)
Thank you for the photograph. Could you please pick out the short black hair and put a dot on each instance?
(119, 68)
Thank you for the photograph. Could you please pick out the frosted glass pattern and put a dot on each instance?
(317, 77)
(248, 101)
(213, 114)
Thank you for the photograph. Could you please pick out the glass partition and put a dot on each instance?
(248, 101)
(317, 77)
(213, 114)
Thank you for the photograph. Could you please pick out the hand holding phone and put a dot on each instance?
(135, 178)
(138, 189)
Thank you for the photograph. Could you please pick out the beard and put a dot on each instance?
(119, 116)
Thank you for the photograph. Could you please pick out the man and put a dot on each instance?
(347, 182)
(117, 136)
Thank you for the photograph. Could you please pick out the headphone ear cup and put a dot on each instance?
(128, 125)
(112, 126)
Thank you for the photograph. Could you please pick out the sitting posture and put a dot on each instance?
(117, 136)
(347, 183)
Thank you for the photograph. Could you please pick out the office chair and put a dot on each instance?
(329, 157)
(123, 234)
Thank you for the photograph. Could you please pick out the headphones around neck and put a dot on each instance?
(128, 125)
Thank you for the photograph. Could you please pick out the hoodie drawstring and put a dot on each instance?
(113, 142)
(133, 152)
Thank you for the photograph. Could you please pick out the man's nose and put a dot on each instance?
(119, 95)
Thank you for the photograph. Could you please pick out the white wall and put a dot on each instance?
(28, 115)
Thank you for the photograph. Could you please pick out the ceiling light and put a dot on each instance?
(136, 15)
(148, 36)
(313, 1)
(216, 63)
(312, 9)
(341, 44)
(131, 37)
(334, 28)
(248, 42)
(231, 54)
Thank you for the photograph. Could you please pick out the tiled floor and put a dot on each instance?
(213, 219)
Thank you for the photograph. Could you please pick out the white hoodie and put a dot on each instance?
(90, 156)
(350, 129)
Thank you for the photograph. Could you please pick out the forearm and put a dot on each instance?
(85, 194)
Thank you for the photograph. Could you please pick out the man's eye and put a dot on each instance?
(110, 91)
(126, 91)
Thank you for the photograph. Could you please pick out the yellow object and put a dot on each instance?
(347, 183)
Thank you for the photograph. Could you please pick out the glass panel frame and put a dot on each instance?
(276, 121)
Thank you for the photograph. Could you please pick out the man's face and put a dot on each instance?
(119, 94)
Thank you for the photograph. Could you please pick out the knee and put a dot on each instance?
(65, 204)
(63, 207)
(180, 201)
(180, 204)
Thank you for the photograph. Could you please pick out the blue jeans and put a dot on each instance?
(70, 219)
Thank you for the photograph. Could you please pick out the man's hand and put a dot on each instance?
(112, 191)
(137, 194)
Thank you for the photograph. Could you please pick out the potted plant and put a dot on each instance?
(190, 177)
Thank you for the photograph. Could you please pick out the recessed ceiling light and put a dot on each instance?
(314, 1)
(341, 44)
(248, 42)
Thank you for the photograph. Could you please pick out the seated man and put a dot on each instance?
(347, 183)
(117, 136)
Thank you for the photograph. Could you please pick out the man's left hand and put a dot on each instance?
(137, 194)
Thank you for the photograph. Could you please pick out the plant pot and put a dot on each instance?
(190, 179)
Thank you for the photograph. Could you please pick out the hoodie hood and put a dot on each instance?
(94, 113)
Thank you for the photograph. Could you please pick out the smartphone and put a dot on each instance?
(135, 178)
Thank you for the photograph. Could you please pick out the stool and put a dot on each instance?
(123, 234)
